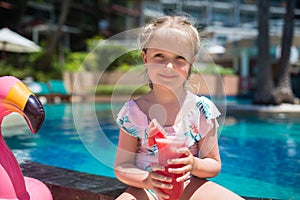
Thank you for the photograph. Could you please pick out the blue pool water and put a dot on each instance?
(261, 157)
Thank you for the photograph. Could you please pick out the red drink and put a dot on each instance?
(167, 150)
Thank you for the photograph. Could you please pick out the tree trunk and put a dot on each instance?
(265, 85)
(21, 11)
(283, 91)
(45, 62)
(64, 12)
(22, 5)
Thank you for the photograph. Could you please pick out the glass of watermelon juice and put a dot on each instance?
(167, 147)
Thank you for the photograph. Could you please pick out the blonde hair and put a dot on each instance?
(180, 23)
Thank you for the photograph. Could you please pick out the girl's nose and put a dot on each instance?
(170, 65)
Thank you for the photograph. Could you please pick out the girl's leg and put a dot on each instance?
(133, 193)
(204, 189)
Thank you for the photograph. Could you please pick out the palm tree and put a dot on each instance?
(283, 91)
(263, 93)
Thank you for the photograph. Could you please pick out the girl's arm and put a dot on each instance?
(125, 169)
(209, 163)
(128, 173)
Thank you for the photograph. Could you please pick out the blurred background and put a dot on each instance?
(231, 31)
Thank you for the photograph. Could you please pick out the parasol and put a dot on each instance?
(13, 42)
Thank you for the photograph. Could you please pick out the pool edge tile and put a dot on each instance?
(66, 184)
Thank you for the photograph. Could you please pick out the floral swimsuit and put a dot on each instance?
(194, 121)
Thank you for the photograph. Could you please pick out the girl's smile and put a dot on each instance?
(168, 76)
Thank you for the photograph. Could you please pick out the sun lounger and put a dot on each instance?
(53, 92)
(41, 90)
(58, 91)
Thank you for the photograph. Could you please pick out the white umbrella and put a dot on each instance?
(13, 42)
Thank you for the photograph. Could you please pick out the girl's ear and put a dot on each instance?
(144, 56)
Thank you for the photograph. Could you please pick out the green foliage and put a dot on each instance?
(108, 56)
(213, 69)
(102, 57)
(93, 41)
(74, 61)
(55, 72)
(124, 67)
(23, 65)
(10, 70)
(121, 90)
(28, 70)
(130, 58)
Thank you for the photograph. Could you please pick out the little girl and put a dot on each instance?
(169, 47)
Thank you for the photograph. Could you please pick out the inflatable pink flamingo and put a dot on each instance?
(15, 97)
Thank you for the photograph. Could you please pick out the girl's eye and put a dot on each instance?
(159, 55)
(180, 58)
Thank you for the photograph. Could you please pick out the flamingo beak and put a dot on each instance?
(21, 100)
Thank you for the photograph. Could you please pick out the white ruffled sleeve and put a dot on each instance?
(208, 111)
(131, 120)
(199, 121)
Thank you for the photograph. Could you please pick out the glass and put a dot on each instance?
(167, 150)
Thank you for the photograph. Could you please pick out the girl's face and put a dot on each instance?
(166, 68)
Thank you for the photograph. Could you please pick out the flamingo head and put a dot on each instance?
(16, 97)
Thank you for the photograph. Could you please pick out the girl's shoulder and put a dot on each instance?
(204, 105)
(132, 110)
(131, 119)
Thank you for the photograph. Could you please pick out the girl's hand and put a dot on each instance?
(187, 162)
(156, 182)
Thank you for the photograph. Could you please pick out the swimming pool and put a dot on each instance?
(261, 157)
